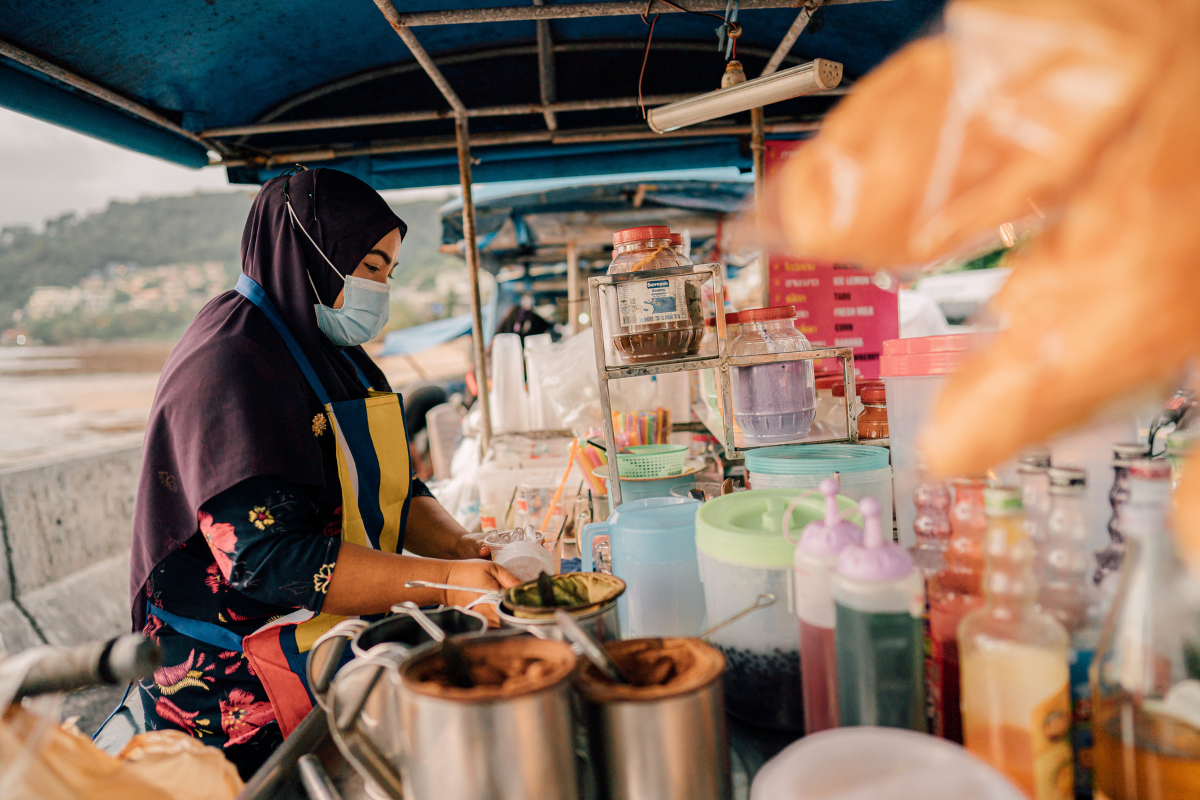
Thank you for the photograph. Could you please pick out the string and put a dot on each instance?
(729, 26)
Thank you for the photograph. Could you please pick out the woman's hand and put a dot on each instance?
(480, 574)
(470, 545)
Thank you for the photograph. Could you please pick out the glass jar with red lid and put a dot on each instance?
(873, 422)
(677, 246)
(775, 402)
(658, 318)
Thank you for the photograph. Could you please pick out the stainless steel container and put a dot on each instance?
(470, 744)
(603, 623)
(663, 741)
(418, 740)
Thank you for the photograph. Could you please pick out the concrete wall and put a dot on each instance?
(65, 527)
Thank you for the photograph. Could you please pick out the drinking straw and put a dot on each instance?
(561, 484)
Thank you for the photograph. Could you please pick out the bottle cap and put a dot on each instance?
(1036, 458)
(1150, 469)
(875, 560)
(829, 536)
(677, 240)
(1069, 478)
(1128, 452)
(1002, 500)
(638, 234)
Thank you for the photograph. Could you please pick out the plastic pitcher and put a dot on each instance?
(653, 549)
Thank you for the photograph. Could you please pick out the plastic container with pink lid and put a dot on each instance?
(659, 318)
(913, 372)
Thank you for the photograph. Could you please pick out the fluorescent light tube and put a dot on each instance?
(815, 76)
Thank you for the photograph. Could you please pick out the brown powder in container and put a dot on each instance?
(657, 669)
(500, 668)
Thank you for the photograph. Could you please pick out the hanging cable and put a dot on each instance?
(732, 30)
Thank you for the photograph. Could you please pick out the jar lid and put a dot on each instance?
(746, 528)
(677, 240)
(839, 388)
(816, 459)
(767, 314)
(730, 319)
(832, 382)
(926, 355)
(644, 232)
(873, 393)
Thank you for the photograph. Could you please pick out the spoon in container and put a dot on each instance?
(762, 601)
(455, 659)
(591, 648)
(451, 587)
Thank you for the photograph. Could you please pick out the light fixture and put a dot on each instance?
(815, 76)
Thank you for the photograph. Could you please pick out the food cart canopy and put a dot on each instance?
(181, 80)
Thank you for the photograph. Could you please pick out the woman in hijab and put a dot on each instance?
(264, 504)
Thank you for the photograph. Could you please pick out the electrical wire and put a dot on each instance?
(115, 711)
(729, 28)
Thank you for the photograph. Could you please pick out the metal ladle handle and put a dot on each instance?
(428, 625)
(451, 587)
(762, 601)
(591, 648)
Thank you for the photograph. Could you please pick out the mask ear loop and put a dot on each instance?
(297, 224)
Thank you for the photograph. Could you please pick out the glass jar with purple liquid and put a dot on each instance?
(772, 403)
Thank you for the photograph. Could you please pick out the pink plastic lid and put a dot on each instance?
(638, 234)
(926, 355)
(829, 536)
(875, 560)
(767, 314)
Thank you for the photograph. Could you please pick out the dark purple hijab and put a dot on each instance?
(231, 402)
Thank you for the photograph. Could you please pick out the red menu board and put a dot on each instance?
(837, 305)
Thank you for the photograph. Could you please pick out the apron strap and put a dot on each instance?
(248, 288)
(362, 376)
(207, 632)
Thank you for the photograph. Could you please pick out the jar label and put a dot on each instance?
(654, 301)
(1053, 767)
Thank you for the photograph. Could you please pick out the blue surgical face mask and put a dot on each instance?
(364, 310)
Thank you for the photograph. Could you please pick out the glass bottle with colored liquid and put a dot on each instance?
(1146, 671)
(1067, 593)
(879, 600)
(955, 590)
(1016, 707)
(815, 560)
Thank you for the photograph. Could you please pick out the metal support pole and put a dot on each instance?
(606, 8)
(789, 39)
(758, 149)
(471, 250)
(573, 298)
(546, 83)
(422, 57)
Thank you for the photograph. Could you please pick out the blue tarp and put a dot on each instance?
(226, 62)
(419, 338)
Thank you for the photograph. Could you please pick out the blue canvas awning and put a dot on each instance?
(263, 84)
(420, 338)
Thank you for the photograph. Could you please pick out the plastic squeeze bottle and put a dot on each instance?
(1016, 707)
(815, 560)
(1066, 592)
(955, 590)
(879, 598)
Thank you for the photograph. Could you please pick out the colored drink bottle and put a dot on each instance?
(1066, 592)
(879, 599)
(956, 589)
(815, 560)
(1016, 707)
(1146, 671)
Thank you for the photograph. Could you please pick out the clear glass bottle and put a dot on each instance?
(955, 590)
(1109, 558)
(1034, 479)
(1146, 672)
(873, 421)
(1066, 592)
(776, 402)
(931, 526)
(1016, 708)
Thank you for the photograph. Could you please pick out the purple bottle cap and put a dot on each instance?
(827, 537)
(875, 560)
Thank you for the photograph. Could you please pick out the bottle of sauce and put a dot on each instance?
(879, 600)
(1146, 671)
(1016, 707)
(955, 590)
(815, 560)
(1066, 592)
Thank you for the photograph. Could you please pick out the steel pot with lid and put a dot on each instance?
(590, 597)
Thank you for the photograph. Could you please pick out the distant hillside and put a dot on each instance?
(171, 230)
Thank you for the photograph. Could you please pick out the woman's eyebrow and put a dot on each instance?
(381, 254)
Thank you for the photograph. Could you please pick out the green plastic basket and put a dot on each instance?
(651, 461)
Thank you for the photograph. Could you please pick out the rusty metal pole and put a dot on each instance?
(758, 148)
(574, 298)
(471, 251)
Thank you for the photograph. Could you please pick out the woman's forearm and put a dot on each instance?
(367, 581)
(432, 532)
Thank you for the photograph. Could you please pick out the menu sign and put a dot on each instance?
(836, 305)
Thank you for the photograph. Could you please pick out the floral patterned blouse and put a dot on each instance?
(264, 548)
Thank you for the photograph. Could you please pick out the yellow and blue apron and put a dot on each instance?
(375, 474)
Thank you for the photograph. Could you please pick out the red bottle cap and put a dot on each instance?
(767, 314)
(638, 234)
(677, 240)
